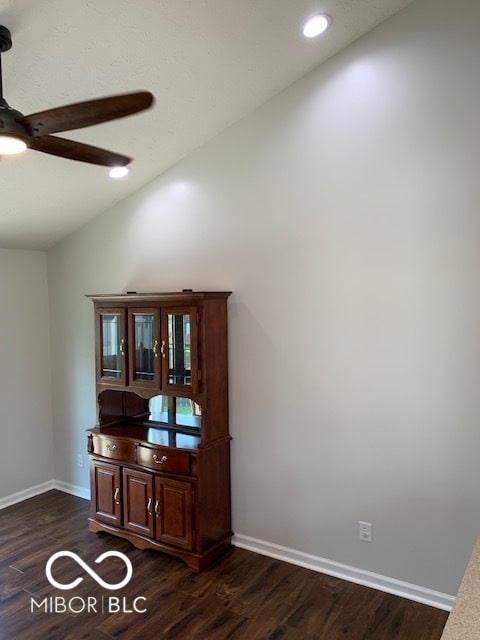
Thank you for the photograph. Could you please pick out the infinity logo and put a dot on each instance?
(95, 576)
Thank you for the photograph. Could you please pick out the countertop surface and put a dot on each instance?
(464, 620)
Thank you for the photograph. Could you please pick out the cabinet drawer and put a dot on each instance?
(114, 448)
(163, 459)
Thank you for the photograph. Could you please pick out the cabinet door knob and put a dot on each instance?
(162, 349)
(155, 348)
(122, 347)
(116, 496)
(157, 508)
(149, 506)
(161, 461)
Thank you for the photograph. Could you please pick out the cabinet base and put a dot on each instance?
(196, 561)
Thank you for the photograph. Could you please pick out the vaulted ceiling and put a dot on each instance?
(208, 63)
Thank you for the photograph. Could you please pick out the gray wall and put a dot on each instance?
(344, 215)
(26, 434)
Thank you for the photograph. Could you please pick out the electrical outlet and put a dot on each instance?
(365, 531)
(79, 460)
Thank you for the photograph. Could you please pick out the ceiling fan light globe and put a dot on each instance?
(9, 145)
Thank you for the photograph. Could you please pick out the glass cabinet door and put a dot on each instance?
(179, 350)
(144, 345)
(111, 356)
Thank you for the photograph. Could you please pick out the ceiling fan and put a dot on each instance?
(18, 132)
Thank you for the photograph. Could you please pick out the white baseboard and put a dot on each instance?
(20, 496)
(74, 490)
(299, 558)
(31, 492)
(346, 572)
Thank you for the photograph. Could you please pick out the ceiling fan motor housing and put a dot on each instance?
(5, 39)
(11, 123)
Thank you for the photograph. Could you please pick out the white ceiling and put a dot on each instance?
(208, 63)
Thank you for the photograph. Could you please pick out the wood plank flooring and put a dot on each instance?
(243, 597)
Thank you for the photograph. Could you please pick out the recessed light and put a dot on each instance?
(316, 25)
(119, 172)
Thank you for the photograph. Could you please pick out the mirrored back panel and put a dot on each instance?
(180, 412)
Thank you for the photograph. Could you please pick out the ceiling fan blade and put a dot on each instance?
(77, 151)
(85, 114)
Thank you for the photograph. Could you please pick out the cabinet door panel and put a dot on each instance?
(111, 346)
(144, 347)
(180, 349)
(173, 512)
(138, 501)
(105, 492)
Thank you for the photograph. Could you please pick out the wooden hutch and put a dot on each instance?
(160, 454)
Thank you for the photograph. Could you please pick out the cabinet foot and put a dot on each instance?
(195, 561)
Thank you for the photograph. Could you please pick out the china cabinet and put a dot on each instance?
(160, 452)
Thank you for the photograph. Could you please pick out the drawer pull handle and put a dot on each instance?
(149, 506)
(157, 508)
(161, 461)
(116, 496)
(111, 447)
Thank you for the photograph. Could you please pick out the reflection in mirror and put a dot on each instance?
(169, 438)
(158, 406)
(175, 411)
(158, 436)
(188, 413)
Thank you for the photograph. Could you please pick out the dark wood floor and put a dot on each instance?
(244, 597)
